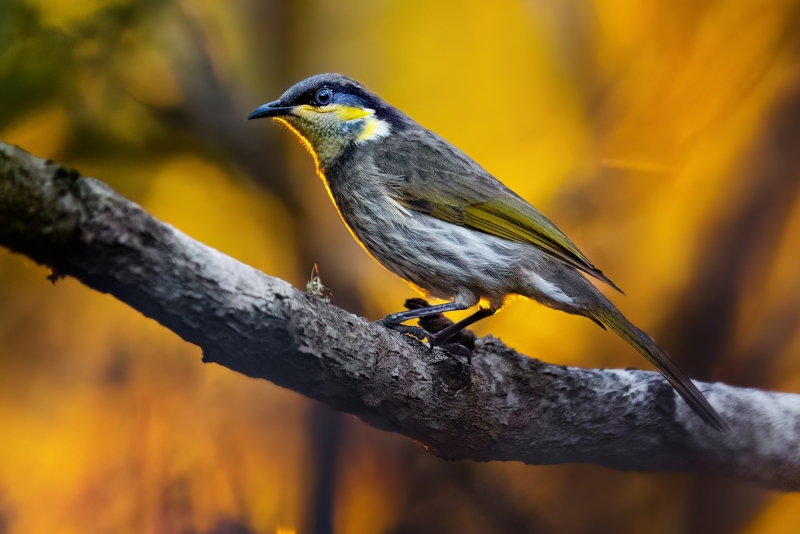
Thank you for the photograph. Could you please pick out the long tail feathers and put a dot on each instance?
(656, 355)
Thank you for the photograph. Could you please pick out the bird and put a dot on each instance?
(433, 216)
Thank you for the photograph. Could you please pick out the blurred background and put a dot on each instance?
(663, 137)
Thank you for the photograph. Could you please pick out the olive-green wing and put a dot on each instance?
(510, 217)
(444, 182)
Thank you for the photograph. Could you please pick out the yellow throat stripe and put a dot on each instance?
(348, 113)
(345, 113)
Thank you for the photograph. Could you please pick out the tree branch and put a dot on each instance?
(506, 406)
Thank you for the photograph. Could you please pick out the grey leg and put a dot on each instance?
(400, 317)
(443, 335)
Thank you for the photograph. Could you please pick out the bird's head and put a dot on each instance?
(330, 112)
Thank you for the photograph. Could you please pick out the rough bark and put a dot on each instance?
(505, 406)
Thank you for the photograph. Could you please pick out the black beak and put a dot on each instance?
(273, 109)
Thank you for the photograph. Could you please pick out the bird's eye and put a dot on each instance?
(324, 96)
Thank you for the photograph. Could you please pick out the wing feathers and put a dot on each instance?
(443, 182)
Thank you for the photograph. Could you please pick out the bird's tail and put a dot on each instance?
(613, 319)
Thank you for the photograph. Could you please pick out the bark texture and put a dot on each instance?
(505, 406)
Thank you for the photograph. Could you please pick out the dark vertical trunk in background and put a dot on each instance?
(325, 432)
(449, 497)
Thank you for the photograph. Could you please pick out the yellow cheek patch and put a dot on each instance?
(348, 113)
(373, 129)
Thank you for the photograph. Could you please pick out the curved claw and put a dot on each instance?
(415, 331)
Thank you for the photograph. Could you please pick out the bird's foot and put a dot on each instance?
(461, 343)
(432, 328)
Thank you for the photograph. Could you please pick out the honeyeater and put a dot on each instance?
(430, 214)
